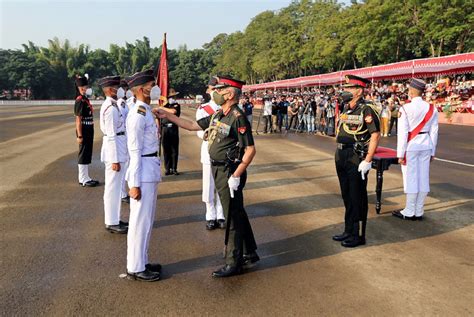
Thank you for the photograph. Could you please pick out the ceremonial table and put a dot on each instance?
(383, 158)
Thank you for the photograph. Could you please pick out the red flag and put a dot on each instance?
(162, 79)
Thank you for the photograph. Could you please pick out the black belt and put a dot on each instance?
(423, 132)
(120, 133)
(150, 155)
(343, 146)
(218, 163)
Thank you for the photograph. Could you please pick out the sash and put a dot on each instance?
(412, 134)
(208, 109)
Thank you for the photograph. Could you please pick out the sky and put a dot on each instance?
(101, 23)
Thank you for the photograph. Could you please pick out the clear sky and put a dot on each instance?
(101, 23)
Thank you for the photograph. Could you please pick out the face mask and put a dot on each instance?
(88, 92)
(218, 98)
(129, 94)
(120, 93)
(155, 93)
(171, 100)
(346, 96)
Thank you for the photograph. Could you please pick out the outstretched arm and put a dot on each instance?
(182, 123)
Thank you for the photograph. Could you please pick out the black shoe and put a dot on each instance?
(250, 260)
(90, 183)
(419, 218)
(123, 224)
(398, 214)
(227, 271)
(126, 200)
(341, 237)
(221, 223)
(145, 276)
(353, 242)
(210, 224)
(153, 267)
(167, 173)
(175, 172)
(117, 229)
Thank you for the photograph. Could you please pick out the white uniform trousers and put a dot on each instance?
(83, 173)
(214, 208)
(142, 216)
(112, 189)
(124, 190)
(416, 181)
(416, 172)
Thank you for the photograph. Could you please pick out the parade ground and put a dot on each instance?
(57, 258)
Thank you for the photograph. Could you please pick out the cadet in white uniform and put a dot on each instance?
(123, 107)
(214, 211)
(417, 137)
(113, 153)
(143, 176)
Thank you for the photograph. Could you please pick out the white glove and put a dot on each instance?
(234, 183)
(364, 167)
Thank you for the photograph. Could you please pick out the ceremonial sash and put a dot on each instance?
(412, 134)
(208, 109)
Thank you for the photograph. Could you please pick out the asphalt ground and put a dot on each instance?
(57, 259)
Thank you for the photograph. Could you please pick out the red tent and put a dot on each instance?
(426, 67)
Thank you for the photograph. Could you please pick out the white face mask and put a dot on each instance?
(129, 94)
(155, 93)
(120, 93)
(88, 92)
(171, 100)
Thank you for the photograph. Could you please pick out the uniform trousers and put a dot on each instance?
(241, 239)
(112, 191)
(124, 190)
(83, 173)
(353, 190)
(142, 216)
(416, 172)
(170, 141)
(214, 208)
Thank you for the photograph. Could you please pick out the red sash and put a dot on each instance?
(208, 109)
(417, 130)
(412, 134)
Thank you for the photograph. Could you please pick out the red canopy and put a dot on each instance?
(426, 67)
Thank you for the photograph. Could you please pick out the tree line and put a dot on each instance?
(305, 38)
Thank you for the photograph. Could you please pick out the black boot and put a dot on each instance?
(227, 271)
(341, 237)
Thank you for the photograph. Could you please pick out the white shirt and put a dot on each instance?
(142, 133)
(411, 115)
(267, 108)
(201, 113)
(130, 103)
(123, 107)
(114, 147)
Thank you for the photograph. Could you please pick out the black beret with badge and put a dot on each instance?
(356, 81)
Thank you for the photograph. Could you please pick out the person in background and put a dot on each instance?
(247, 106)
(267, 115)
(385, 117)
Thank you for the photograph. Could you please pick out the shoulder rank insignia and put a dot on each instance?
(78, 98)
(236, 113)
(141, 110)
(242, 130)
(368, 118)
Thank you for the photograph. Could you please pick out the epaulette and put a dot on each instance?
(141, 110)
(78, 98)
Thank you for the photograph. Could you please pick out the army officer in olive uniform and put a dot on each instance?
(231, 149)
(357, 139)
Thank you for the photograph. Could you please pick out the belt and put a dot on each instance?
(119, 133)
(425, 132)
(87, 123)
(218, 163)
(343, 146)
(150, 155)
(168, 125)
